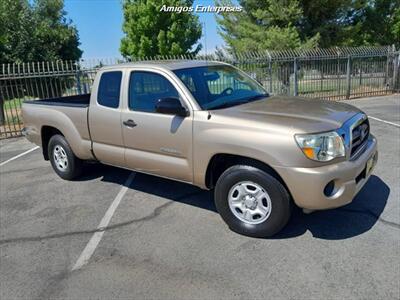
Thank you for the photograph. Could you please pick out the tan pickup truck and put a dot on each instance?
(211, 125)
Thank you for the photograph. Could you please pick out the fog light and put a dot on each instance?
(329, 188)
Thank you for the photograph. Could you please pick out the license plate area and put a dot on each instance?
(370, 164)
(368, 168)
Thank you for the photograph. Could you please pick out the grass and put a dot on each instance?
(12, 111)
(13, 104)
(337, 86)
(13, 119)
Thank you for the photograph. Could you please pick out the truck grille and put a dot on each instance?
(359, 140)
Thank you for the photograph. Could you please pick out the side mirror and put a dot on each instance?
(171, 106)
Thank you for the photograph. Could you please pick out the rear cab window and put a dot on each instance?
(108, 93)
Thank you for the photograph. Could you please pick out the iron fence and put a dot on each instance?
(332, 74)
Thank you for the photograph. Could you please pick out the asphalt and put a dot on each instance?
(166, 241)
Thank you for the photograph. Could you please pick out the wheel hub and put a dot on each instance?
(249, 202)
(60, 158)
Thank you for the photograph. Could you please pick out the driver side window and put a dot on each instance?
(146, 88)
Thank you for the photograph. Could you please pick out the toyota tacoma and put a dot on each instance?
(211, 125)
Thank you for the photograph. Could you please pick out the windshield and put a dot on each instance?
(219, 86)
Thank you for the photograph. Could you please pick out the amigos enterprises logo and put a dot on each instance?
(201, 9)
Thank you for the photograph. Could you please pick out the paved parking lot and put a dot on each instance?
(166, 241)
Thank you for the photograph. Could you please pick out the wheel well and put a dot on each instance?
(220, 162)
(46, 133)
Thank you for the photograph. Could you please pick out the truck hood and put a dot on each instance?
(301, 114)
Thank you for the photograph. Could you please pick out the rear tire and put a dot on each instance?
(252, 202)
(63, 160)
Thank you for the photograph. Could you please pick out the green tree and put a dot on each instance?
(396, 27)
(281, 24)
(56, 37)
(377, 23)
(352, 23)
(331, 19)
(150, 31)
(264, 24)
(16, 30)
(36, 31)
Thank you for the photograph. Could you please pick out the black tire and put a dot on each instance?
(279, 196)
(73, 167)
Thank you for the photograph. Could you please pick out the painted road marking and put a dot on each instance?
(97, 236)
(387, 122)
(18, 156)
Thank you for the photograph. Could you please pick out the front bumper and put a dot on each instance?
(307, 185)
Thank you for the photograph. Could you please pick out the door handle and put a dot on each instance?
(129, 123)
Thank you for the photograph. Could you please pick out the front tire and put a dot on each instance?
(252, 202)
(62, 159)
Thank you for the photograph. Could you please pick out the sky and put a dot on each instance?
(99, 23)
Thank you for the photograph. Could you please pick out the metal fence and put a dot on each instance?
(333, 74)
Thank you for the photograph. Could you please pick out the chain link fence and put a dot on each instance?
(332, 74)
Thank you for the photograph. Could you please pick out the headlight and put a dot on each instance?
(322, 146)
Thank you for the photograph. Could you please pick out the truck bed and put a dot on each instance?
(72, 101)
(69, 115)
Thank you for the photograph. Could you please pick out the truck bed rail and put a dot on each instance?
(73, 101)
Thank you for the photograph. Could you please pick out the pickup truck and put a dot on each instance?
(211, 125)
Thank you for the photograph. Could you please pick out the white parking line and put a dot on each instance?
(383, 121)
(97, 236)
(18, 156)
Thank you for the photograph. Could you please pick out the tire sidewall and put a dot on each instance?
(280, 201)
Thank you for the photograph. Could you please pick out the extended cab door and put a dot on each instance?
(156, 143)
(105, 118)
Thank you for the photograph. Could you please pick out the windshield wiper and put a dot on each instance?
(239, 101)
(228, 104)
(257, 97)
